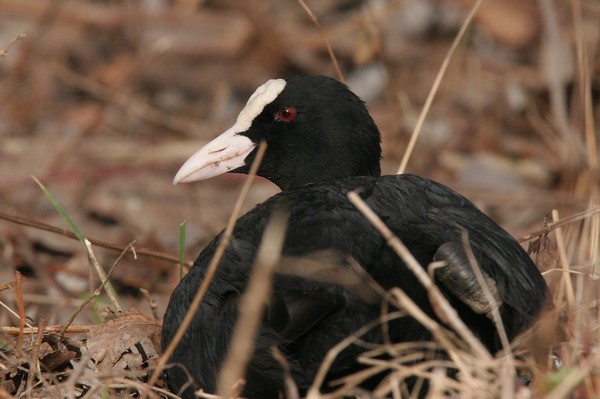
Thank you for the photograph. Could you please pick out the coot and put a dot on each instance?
(322, 143)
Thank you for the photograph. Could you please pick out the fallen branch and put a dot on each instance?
(4, 52)
(46, 330)
(99, 243)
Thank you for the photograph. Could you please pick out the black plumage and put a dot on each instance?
(328, 147)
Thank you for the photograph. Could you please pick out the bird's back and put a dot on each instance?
(306, 317)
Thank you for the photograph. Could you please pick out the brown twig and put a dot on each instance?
(7, 286)
(4, 52)
(561, 222)
(34, 359)
(212, 267)
(20, 309)
(12, 312)
(57, 329)
(104, 244)
(151, 303)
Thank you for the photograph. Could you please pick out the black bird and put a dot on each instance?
(322, 143)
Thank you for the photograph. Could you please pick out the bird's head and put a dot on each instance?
(315, 128)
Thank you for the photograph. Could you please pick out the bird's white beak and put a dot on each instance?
(223, 154)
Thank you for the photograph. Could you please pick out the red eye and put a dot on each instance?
(286, 114)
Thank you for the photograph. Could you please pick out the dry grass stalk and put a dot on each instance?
(104, 278)
(556, 67)
(110, 293)
(327, 45)
(436, 84)
(495, 313)
(585, 77)
(507, 367)
(314, 390)
(567, 287)
(212, 267)
(252, 305)
(15, 314)
(448, 313)
(291, 389)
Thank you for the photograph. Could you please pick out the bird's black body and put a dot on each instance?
(305, 318)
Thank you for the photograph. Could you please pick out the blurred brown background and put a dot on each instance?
(103, 101)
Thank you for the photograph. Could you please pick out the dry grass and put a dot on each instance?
(53, 342)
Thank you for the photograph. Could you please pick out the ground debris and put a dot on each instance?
(127, 341)
(123, 348)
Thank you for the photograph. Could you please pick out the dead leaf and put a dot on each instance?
(126, 341)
